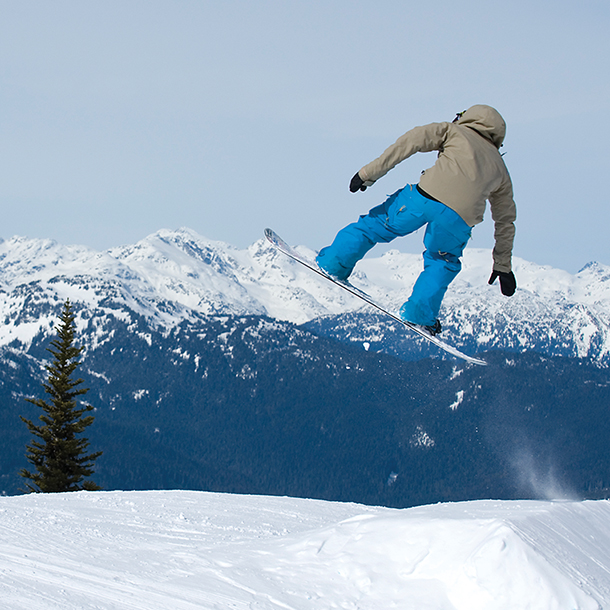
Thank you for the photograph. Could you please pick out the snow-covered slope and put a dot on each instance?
(171, 276)
(183, 550)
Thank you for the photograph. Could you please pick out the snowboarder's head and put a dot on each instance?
(485, 120)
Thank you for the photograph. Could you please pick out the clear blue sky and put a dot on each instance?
(119, 118)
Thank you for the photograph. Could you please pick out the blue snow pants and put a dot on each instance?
(402, 213)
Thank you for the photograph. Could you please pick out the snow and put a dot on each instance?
(187, 550)
(459, 398)
(172, 276)
(422, 439)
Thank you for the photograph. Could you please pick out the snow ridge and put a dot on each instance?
(172, 276)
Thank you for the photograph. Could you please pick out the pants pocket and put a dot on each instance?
(405, 216)
(445, 242)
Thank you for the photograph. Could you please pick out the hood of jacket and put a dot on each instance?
(486, 121)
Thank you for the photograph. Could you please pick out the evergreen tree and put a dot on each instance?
(59, 456)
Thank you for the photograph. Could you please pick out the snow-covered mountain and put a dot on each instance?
(187, 550)
(172, 276)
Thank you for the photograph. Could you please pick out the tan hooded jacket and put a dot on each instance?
(468, 171)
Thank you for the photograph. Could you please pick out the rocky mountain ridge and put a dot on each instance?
(175, 276)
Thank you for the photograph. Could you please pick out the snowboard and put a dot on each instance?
(283, 247)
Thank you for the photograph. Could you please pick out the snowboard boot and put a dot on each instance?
(435, 329)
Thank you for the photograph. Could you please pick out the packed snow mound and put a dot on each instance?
(181, 550)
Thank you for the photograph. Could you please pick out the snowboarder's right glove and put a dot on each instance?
(357, 184)
(508, 283)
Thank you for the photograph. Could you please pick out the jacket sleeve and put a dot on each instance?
(420, 139)
(504, 214)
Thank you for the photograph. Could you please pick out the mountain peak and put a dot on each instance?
(173, 275)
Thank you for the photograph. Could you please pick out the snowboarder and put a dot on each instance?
(450, 199)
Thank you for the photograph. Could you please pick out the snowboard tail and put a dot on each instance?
(289, 251)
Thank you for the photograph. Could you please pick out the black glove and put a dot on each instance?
(508, 283)
(357, 184)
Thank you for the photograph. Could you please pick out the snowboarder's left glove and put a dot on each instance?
(508, 283)
(357, 184)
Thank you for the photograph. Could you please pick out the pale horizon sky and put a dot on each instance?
(118, 119)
